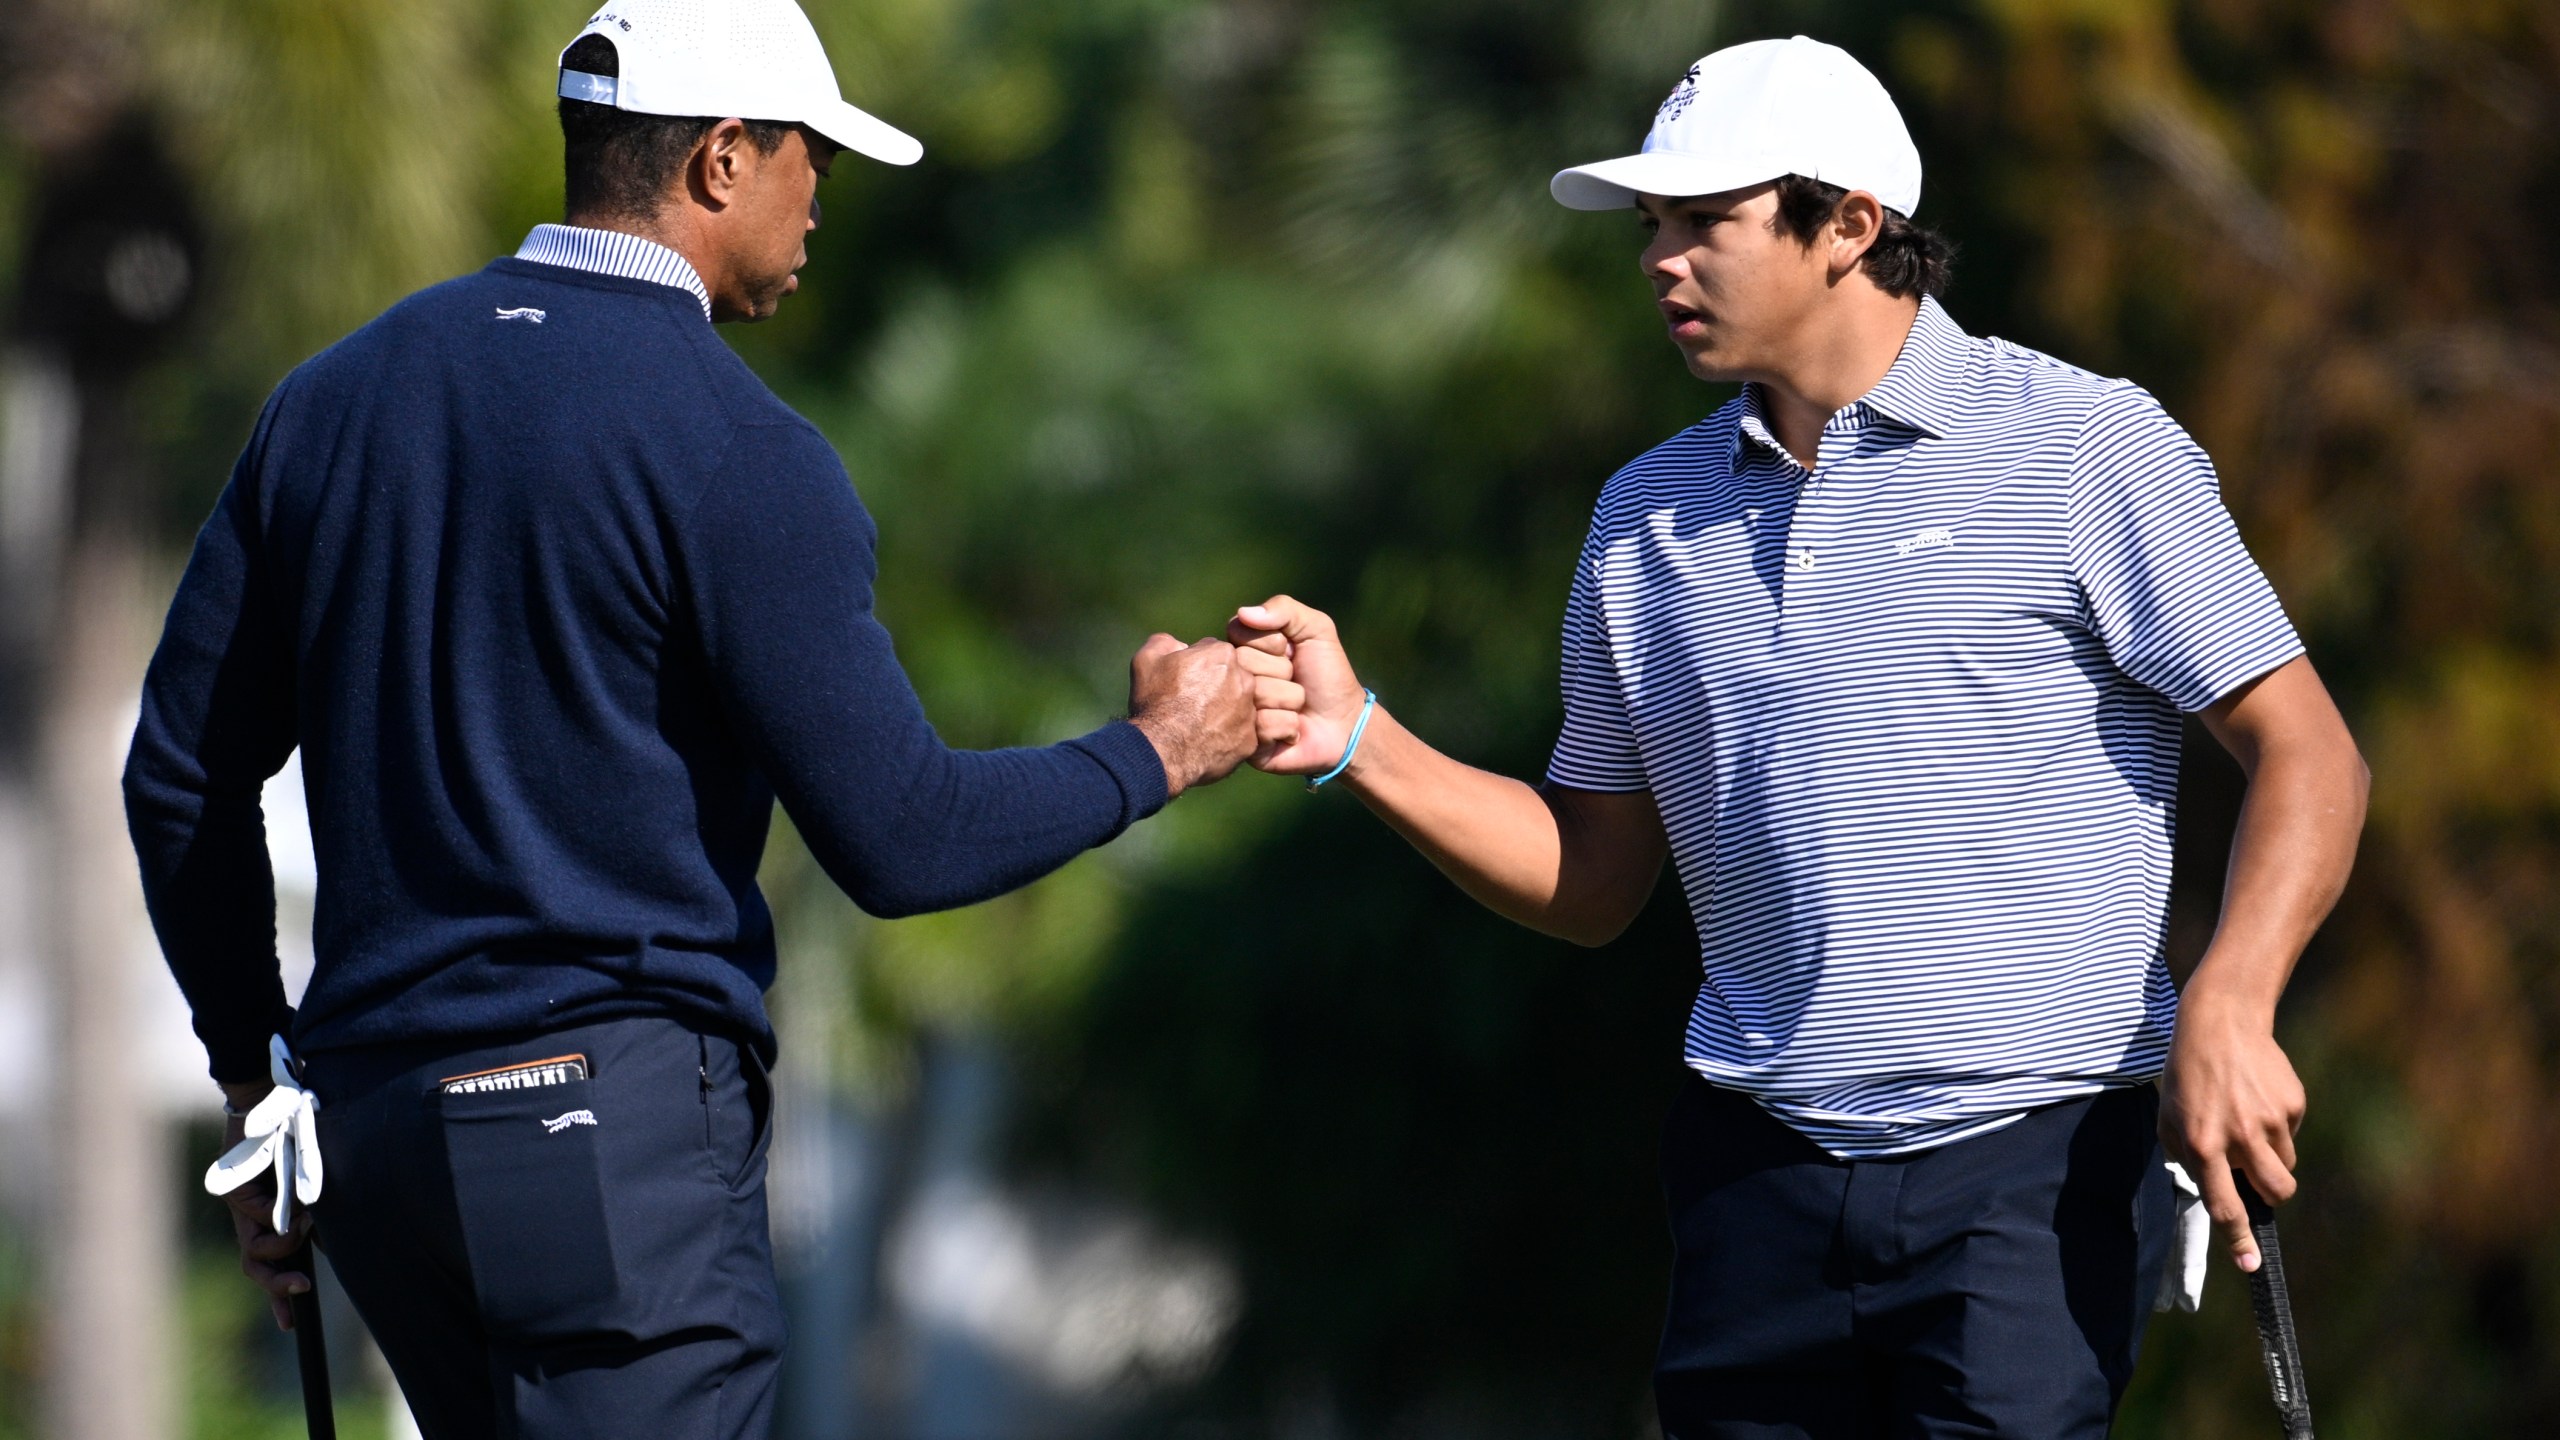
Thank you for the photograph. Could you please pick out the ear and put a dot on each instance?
(1854, 228)
(719, 164)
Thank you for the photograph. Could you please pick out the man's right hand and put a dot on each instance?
(1309, 696)
(263, 1251)
(1195, 706)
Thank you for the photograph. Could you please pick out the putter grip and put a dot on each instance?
(2272, 1299)
(311, 1351)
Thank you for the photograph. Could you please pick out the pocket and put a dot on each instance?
(756, 1092)
(528, 1188)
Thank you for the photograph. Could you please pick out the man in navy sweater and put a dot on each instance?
(556, 599)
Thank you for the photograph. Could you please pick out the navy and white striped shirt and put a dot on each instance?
(1912, 723)
(611, 252)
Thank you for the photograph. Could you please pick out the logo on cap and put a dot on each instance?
(1681, 94)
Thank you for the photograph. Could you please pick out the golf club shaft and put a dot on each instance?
(2272, 1300)
(311, 1350)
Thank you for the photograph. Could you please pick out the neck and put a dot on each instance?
(660, 229)
(1847, 351)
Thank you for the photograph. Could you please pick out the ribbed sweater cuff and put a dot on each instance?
(1126, 752)
(239, 1056)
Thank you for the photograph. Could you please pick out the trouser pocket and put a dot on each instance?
(737, 1112)
(759, 1088)
(529, 1192)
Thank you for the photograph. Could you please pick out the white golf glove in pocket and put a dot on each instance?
(283, 1136)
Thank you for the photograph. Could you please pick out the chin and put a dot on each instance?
(1712, 368)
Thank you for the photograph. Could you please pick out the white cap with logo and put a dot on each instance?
(1751, 113)
(753, 59)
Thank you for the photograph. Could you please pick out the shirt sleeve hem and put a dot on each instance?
(2257, 666)
(1598, 785)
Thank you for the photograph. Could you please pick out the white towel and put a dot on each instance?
(2182, 1282)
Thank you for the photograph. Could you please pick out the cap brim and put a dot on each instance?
(866, 134)
(1615, 184)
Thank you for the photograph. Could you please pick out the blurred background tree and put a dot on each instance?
(1193, 300)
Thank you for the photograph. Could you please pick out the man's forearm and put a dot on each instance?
(1489, 833)
(1518, 851)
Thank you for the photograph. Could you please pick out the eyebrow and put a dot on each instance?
(1690, 204)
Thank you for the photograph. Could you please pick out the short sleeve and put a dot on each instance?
(1597, 749)
(2169, 588)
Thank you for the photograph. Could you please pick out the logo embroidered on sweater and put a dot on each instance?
(521, 312)
(1925, 540)
(574, 1117)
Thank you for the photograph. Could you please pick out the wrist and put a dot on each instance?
(1372, 758)
(2210, 1003)
(1179, 773)
(241, 1096)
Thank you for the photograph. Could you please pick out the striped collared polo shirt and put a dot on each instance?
(1912, 722)
(611, 252)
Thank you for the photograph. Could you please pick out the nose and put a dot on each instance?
(1663, 258)
(813, 212)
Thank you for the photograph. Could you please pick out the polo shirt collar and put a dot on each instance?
(1918, 391)
(1921, 387)
(613, 252)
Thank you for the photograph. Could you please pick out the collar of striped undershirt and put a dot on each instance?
(611, 252)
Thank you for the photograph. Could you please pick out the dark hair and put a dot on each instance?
(1906, 259)
(621, 163)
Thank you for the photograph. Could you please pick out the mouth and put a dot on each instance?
(1685, 323)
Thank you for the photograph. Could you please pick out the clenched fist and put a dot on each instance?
(1195, 705)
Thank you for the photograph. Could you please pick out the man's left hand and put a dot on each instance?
(262, 1250)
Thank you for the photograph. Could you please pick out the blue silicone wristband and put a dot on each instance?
(1358, 728)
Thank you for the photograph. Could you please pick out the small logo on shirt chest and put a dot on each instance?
(525, 313)
(1925, 540)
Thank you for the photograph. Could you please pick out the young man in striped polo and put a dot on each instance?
(1889, 655)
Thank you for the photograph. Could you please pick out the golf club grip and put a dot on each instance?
(311, 1352)
(2272, 1299)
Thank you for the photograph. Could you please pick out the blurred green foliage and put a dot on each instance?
(240, 1382)
(18, 1337)
(1193, 300)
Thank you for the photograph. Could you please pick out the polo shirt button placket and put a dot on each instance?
(1808, 529)
(1804, 560)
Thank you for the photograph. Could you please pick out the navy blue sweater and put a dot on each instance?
(555, 609)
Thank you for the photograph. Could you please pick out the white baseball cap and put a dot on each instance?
(1751, 113)
(754, 59)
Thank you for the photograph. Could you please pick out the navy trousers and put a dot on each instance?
(586, 1259)
(1994, 1287)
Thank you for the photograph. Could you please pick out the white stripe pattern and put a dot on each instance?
(1912, 723)
(611, 252)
